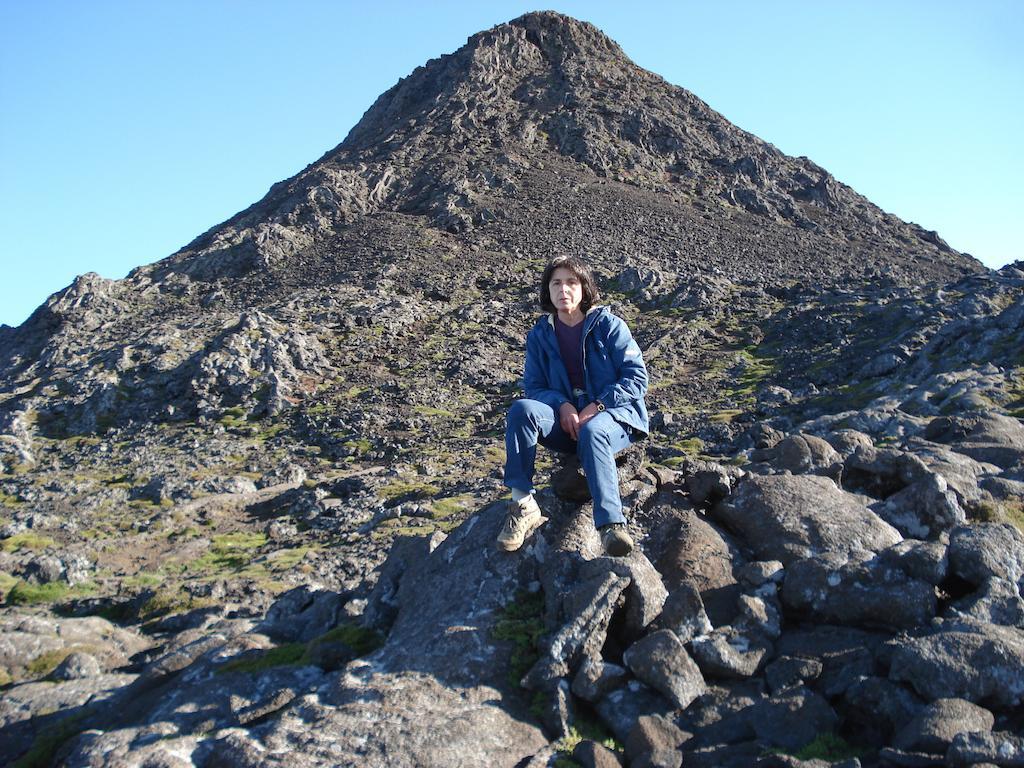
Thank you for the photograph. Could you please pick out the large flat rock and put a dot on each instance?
(791, 517)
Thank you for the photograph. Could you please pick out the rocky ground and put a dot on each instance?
(248, 494)
(829, 530)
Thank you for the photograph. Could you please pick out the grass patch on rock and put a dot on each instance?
(1000, 512)
(283, 655)
(24, 593)
(50, 739)
(229, 552)
(286, 559)
(143, 580)
(584, 728)
(407, 490)
(411, 526)
(7, 583)
(168, 601)
(829, 747)
(26, 540)
(522, 625)
(361, 640)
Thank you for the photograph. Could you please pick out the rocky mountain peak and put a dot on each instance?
(506, 66)
(452, 141)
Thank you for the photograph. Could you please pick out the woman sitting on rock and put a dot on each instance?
(585, 381)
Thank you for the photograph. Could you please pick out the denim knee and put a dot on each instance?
(519, 412)
(591, 436)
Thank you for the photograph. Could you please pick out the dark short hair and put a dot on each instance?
(579, 268)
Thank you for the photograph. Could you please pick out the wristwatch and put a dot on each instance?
(600, 405)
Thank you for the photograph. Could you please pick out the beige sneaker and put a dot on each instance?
(616, 540)
(523, 516)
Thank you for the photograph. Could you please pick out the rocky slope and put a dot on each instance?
(249, 492)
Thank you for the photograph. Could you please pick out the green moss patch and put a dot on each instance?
(24, 593)
(585, 728)
(1000, 512)
(283, 655)
(286, 559)
(451, 505)
(142, 580)
(168, 601)
(7, 583)
(361, 640)
(828, 747)
(521, 625)
(51, 739)
(26, 540)
(229, 552)
(407, 490)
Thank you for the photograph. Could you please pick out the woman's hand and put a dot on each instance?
(586, 415)
(569, 418)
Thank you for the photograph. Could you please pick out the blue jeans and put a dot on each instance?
(531, 422)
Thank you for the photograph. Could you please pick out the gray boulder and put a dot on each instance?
(302, 613)
(622, 708)
(966, 660)
(792, 719)
(645, 595)
(595, 678)
(986, 427)
(923, 510)
(760, 615)
(987, 437)
(847, 441)
(858, 592)
(159, 745)
(934, 728)
(77, 665)
(789, 517)
(807, 454)
(985, 550)
(661, 661)
(875, 708)
(1000, 748)
(963, 474)
(845, 654)
(708, 482)
(655, 741)
(726, 652)
(695, 552)
(368, 718)
(684, 613)
(923, 560)
(790, 672)
(881, 472)
(27, 641)
(590, 607)
(590, 754)
(997, 601)
(760, 572)
(406, 551)
(437, 692)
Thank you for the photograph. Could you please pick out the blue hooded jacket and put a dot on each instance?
(613, 368)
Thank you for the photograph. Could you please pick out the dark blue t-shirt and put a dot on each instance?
(570, 347)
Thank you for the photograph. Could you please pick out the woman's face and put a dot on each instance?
(566, 290)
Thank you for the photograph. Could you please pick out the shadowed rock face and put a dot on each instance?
(274, 457)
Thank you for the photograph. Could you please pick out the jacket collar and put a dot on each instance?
(588, 320)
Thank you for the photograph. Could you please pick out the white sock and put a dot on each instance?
(518, 495)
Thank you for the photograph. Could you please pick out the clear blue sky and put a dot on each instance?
(129, 127)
